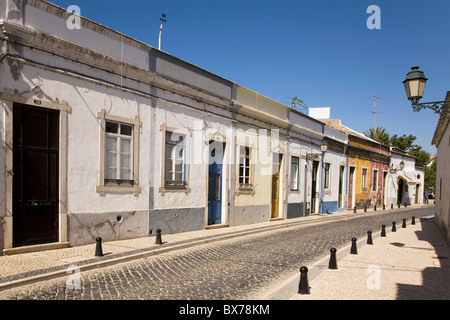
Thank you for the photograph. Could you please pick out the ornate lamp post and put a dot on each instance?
(415, 83)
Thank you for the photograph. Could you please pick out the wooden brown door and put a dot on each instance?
(35, 179)
(276, 185)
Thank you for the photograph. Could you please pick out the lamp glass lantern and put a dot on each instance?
(324, 146)
(415, 83)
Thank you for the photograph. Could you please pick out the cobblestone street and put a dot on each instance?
(236, 269)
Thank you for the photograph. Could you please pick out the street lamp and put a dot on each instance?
(324, 148)
(415, 83)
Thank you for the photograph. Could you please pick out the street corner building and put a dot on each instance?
(105, 136)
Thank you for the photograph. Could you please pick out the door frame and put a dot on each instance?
(280, 188)
(315, 201)
(351, 187)
(222, 190)
(225, 180)
(341, 187)
(418, 193)
(8, 101)
(400, 191)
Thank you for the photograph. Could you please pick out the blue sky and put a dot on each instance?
(320, 51)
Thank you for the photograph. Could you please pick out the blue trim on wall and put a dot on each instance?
(330, 206)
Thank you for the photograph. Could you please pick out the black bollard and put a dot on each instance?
(98, 248)
(399, 205)
(384, 207)
(303, 287)
(413, 222)
(354, 209)
(369, 237)
(383, 230)
(392, 206)
(333, 261)
(354, 249)
(394, 228)
(374, 208)
(365, 208)
(404, 224)
(158, 237)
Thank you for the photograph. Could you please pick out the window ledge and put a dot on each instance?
(164, 190)
(249, 191)
(102, 190)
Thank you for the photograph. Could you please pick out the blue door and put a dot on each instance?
(215, 184)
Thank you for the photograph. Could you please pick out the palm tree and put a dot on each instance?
(378, 134)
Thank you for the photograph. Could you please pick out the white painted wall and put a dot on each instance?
(200, 127)
(337, 159)
(416, 175)
(443, 184)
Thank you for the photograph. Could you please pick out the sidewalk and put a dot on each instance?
(28, 268)
(410, 264)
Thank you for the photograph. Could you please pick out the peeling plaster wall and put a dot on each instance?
(85, 228)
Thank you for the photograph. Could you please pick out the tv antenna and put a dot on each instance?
(163, 20)
(375, 111)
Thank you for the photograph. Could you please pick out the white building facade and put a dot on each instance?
(405, 181)
(303, 165)
(441, 140)
(98, 133)
(335, 171)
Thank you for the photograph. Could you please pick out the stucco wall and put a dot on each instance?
(410, 176)
(361, 197)
(336, 159)
(443, 185)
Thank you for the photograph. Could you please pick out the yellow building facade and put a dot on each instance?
(260, 158)
(368, 169)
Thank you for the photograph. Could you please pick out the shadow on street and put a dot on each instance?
(435, 280)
